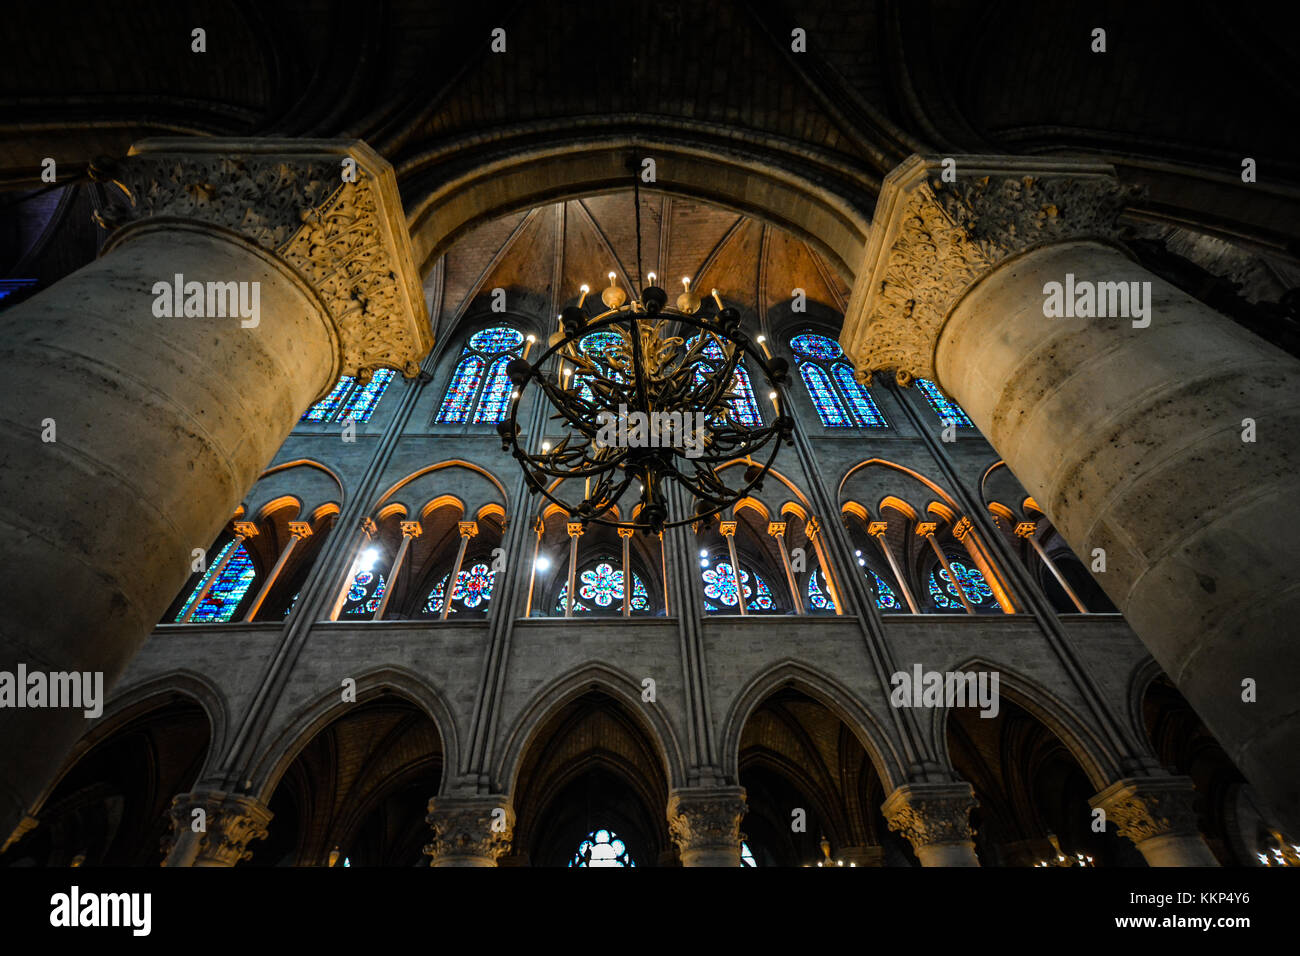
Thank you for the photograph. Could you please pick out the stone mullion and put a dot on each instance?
(876, 530)
(467, 529)
(626, 535)
(964, 532)
(298, 531)
(410, 531)
(777, 530)
(1027, 530)
(728, 529)
(926, 529)
(574, 529)
(812, 528)
(243, 531)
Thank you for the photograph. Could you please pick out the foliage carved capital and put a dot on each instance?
(932, 239)
(328, 209)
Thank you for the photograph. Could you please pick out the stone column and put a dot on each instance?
(1156, 814)
(469, 831)
(214, 828)
(131, 436)
(704, 822)
(1127, 430)
(935, 818)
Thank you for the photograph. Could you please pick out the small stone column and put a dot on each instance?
(214, 828)
(1156, 814)
(133, 432)
(704, 822)
(469, 831)
(1153, 431)
(935, 818)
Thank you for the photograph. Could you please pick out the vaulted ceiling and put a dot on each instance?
(1180, 96)
(541, 257)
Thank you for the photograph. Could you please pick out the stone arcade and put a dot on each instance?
(390, 653)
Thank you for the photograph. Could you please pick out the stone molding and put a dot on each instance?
(929, 814)
(706, 818)
(932, 240)
(232, 821)
(1144, 807)
(348, 241)
(463, 827)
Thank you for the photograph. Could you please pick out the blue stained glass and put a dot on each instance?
(720, 585)
(461, 391)
(227, 590)
(827, 403)
(943, 407)
(499, 339)
(602, 848)
(364, 399)
(292, 601)
(861, 404)
(473, 587)
(365, 593)
(816, 596)
(323, 411)
(603, 584)
(601, 346)
(747, 856)
(815, 347)
(743, 405)
(494, 404)
(886, 600)
(972, 582)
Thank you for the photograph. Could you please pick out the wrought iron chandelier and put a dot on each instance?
(654, 407)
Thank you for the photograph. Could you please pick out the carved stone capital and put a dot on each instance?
(1141, 808)
(704, 822)
(219, 836)
(469, 831)
(929, 814)
(327, 209)
(932, 240)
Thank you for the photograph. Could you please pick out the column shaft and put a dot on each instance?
(1131, 439)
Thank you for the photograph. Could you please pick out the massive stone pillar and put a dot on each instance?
(1162, 442)
(214, 828)
(1156, 814)
(132, 431)
(704, 822)
(935, 818)
(469, 831)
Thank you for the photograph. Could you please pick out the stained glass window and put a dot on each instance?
(720, 586)
(228, 588)
(944, 407)
(601, 588)
(601, 346)
(817, 347)
(886, 600)
(473, 587)
(861, 405)
(480, 383)
(602, 848)
(348, 399)
(945, 594)
(743, 405)
(818, 597)
(364, 594)
(747, 855)
(841, 402)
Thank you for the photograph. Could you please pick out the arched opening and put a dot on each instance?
(1030, 789)
(807, 776)
(591, 767)
(110, 807)
(358, 791)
